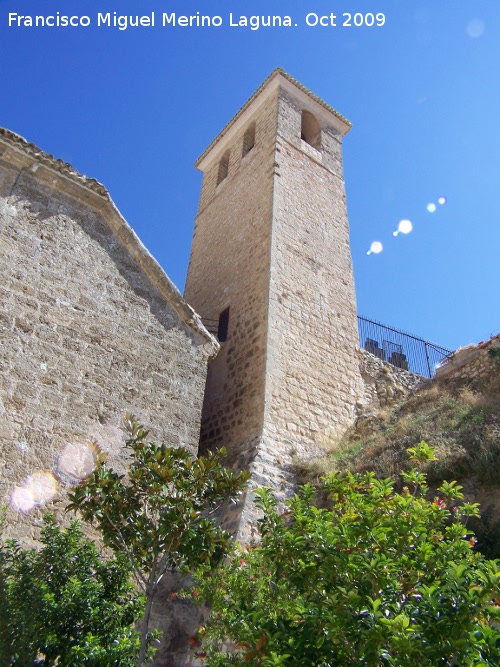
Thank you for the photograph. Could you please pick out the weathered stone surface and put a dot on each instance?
(271, 244)
(471, 362)
(90, 327)
(384, 383)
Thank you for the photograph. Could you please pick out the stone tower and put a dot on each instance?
(271, 268)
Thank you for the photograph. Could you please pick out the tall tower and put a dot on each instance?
(271, 267)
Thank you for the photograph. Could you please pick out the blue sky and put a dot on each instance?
(135, 108)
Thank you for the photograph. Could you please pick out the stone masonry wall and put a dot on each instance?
(384, 383)
(85, 333)
(472, 362)
(313, 370)
(271, 243)
(313, 379)
(229, 268)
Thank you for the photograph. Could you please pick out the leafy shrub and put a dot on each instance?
(160, 515)
(64, 605)
(380, 579)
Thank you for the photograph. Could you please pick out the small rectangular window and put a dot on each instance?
(223, 325)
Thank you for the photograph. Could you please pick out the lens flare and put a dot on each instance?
(375, 248)
(22, 499)
(475, 28)
(441, 201)
(38, 489)
(404, 227)
(76, 462)
(42, 486)
(431, 207)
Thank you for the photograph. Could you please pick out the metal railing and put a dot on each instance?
(401, 349)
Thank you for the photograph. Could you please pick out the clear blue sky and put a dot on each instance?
(135, 108)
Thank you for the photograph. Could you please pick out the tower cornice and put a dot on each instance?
(276, 80)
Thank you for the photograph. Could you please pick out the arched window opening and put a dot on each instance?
(223, 168)
(248, 140)
(310, 130)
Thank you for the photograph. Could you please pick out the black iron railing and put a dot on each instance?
(401, 349)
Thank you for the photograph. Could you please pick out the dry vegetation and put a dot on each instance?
(460, 420)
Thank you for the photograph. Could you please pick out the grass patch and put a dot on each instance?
(461, 421)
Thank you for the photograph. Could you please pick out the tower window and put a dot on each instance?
(310, 130)
(248, 140)
(223, 326)
(223, 168)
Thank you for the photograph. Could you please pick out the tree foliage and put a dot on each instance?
(380, 579)
(160, 515)
(64, 605)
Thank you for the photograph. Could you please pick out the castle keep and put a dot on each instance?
(271, 267)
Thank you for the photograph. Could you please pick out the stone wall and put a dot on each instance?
(229, 268)
(90, 327)
(313, 370)
(271, 243)
(384, 383)
(472, 362)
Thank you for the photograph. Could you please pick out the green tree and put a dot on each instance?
(64, 605)
(379, 578)
(160, 516)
